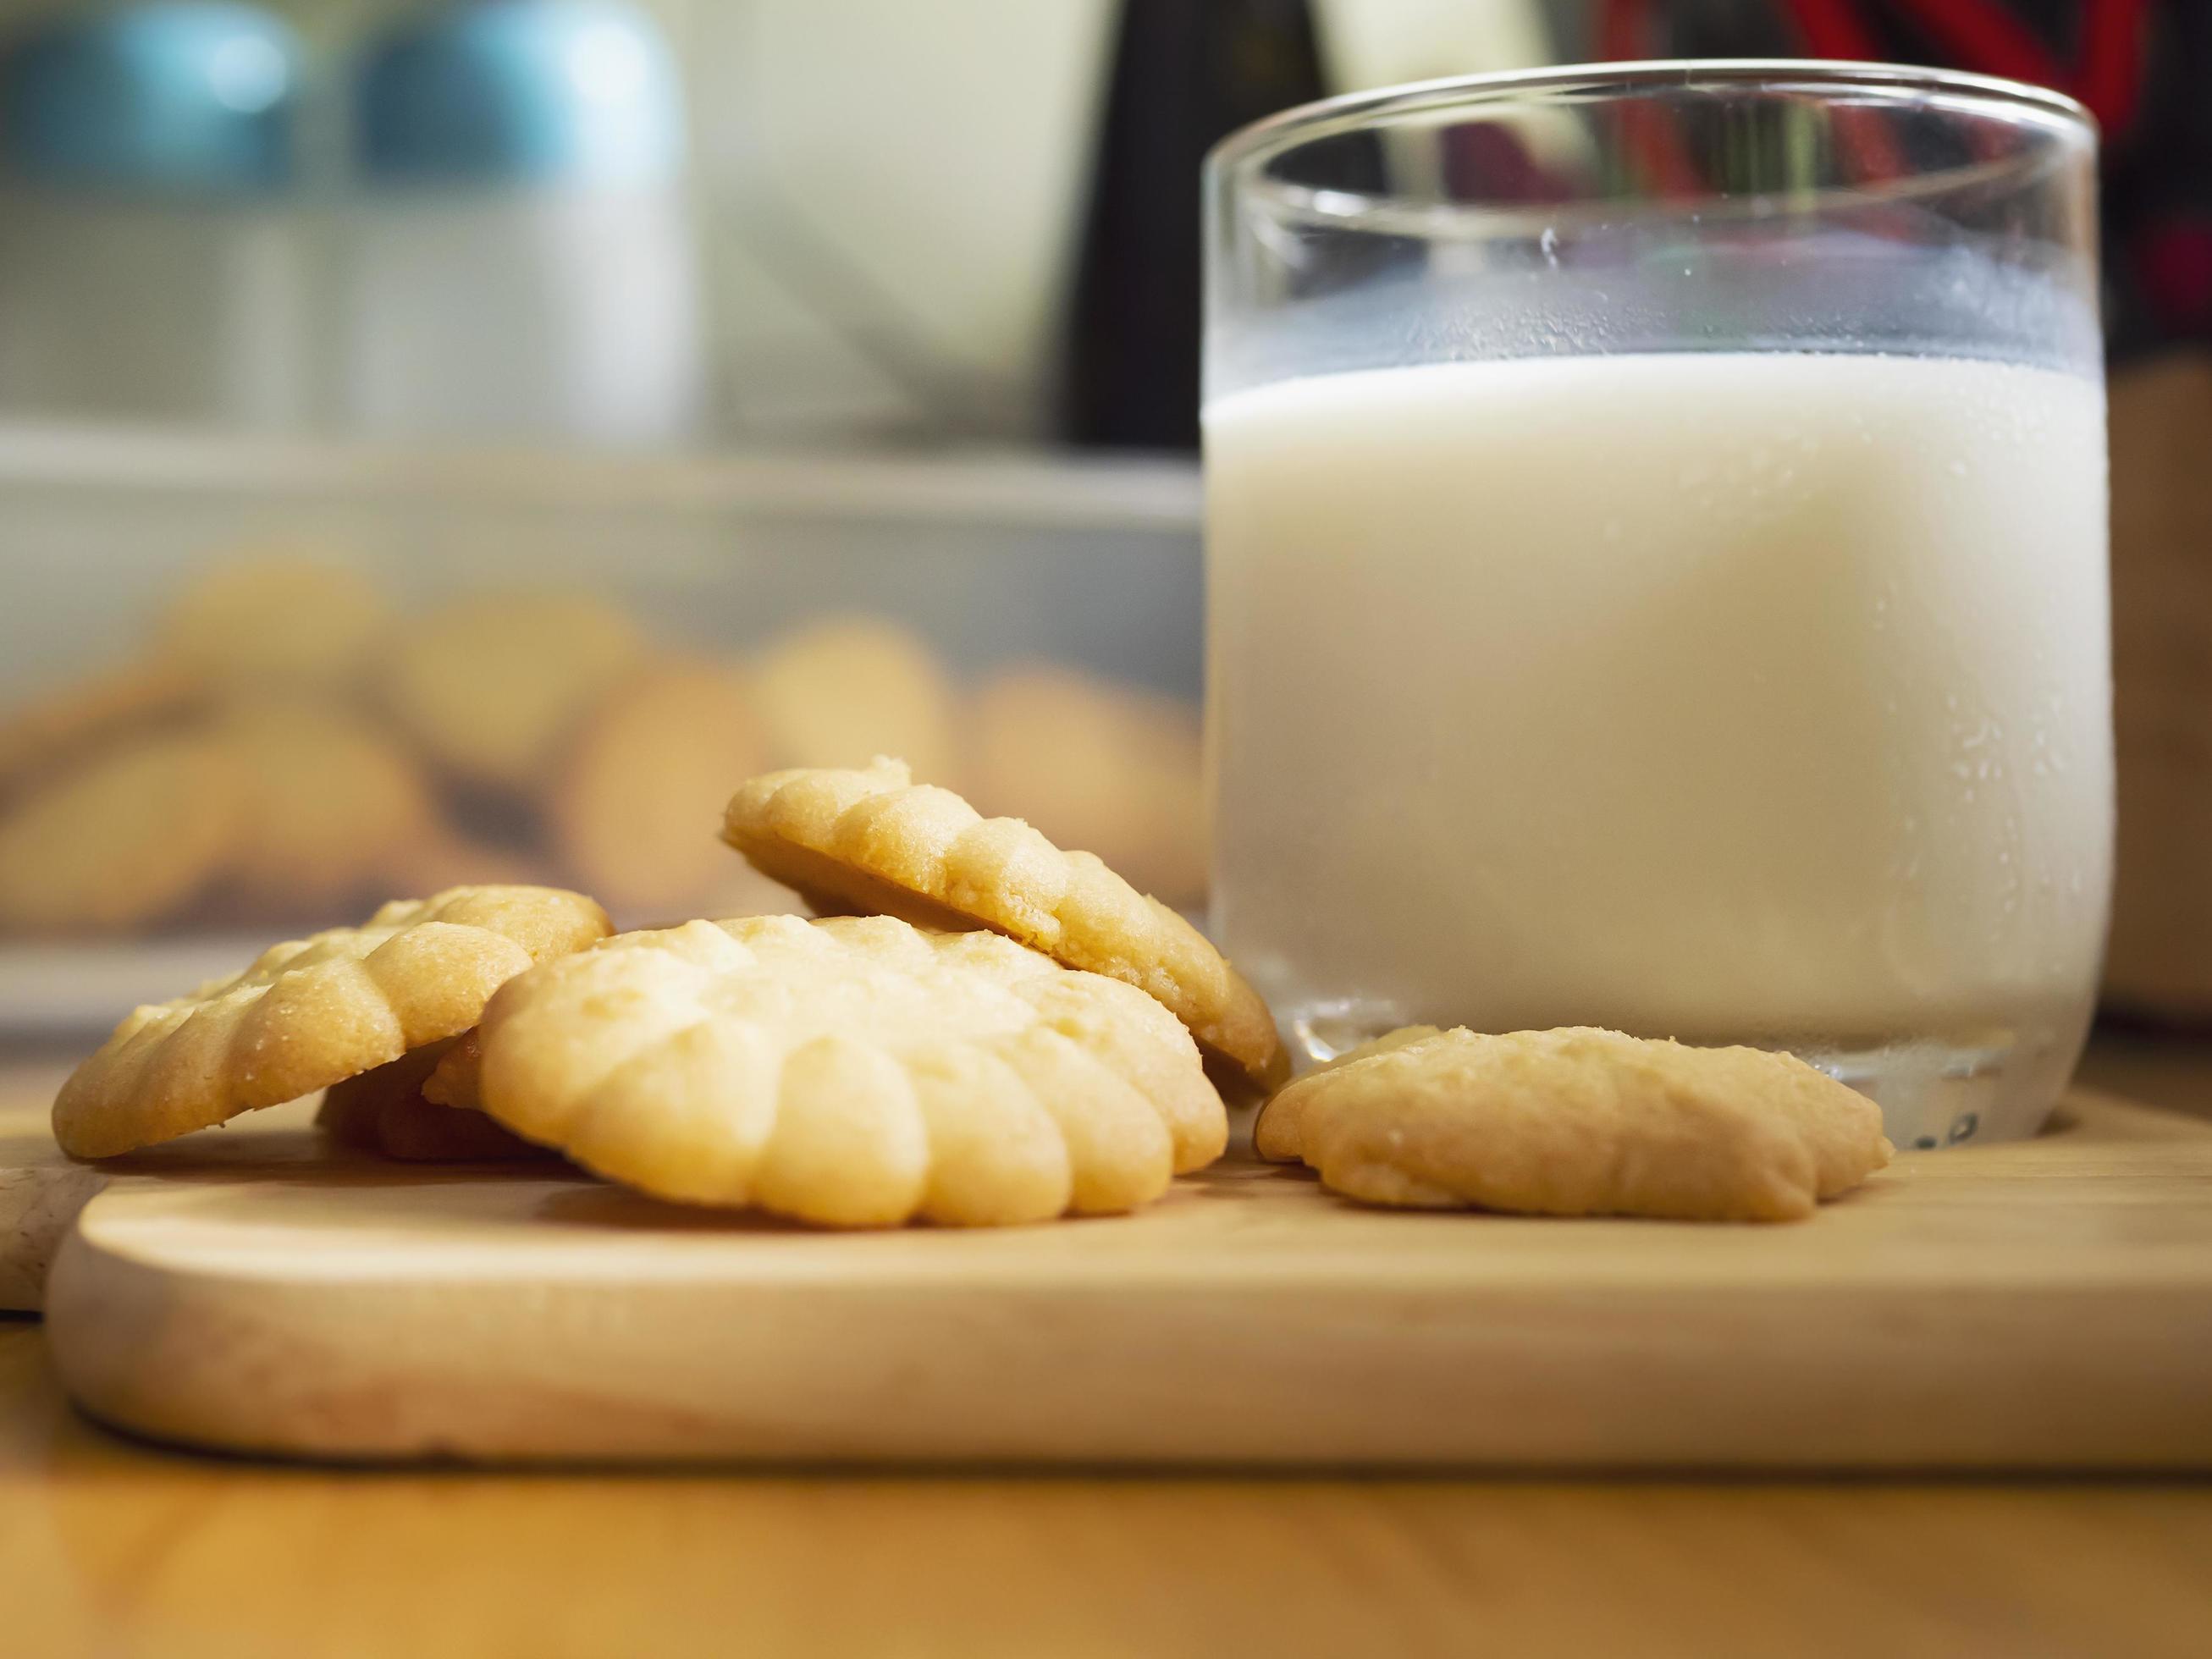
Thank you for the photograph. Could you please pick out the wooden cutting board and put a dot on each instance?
(41, 1190)
(2032, 1306)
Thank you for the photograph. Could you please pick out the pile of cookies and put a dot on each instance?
(976, 1029)
(985, 1031)
(310, 748)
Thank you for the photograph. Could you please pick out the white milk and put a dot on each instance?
(1727, 696)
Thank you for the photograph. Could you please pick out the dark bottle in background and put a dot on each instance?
(1186, 73)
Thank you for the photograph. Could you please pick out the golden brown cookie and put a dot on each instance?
(1579, 1121)
(387, 1111)
(640, 797)
(414, 1130)
(333, 803)
(1111, 768)
(456, 1080)
(1275, 1131)
(853, 1073)
(349, 1115)
(273, 615)
(492, 685)
(842, 690)
(123, 839)
(312, 1012)
(63, 724)
(873, 840)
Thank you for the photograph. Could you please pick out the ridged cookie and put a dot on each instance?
(1577, 1121)
(852, 1072)
(313, 1012)
(874, 840)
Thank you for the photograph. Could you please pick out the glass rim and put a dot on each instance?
(1273, 135)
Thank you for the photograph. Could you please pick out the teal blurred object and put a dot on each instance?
(150, 265)
(516, 259)
(190, 97)
(552, 91)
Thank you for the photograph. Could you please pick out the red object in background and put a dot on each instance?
(1981, 35)
(1986, 37)
(2174, 268)
(1832, 29)
(1625, 33)
(2142, 67)
(1491, 163)
(2112, 74)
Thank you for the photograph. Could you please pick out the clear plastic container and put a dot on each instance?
(247, 690)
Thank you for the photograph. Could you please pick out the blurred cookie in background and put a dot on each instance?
(273, 615)
(843, 689)
(63, 725)
(636, 810)
(442, 855)
(332, 801)
(288, 746)
(492, 685)
(124, 838)
(1111, 768)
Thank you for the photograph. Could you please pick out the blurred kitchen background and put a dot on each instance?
(455, 442)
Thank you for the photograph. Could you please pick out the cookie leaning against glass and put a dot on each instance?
(1575, 1121)
(311, 1013)
(872, 841)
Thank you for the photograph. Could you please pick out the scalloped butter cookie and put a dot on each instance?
(314, 1011)
(873, 840)
(1576, 1121)
(855, 1072)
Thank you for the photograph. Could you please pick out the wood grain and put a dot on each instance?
(114, 1549)
(2037, 1305)
(42, 1189)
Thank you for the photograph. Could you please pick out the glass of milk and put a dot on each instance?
(1656, 557)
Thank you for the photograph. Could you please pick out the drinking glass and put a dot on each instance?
(1656, 545)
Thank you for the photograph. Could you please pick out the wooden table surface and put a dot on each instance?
(108, 1547)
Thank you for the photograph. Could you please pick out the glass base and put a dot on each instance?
(1935, 1090)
